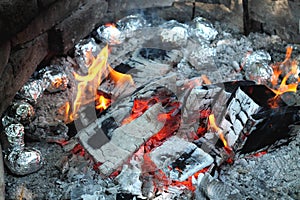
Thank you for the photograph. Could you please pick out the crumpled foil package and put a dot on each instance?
(202, 29)
(259, 72)
(19, 159)
(25, 162)
(31, 91)
(81, 49)
(256, 56)
(15, 136)
(131, 23)
(114, 34)
(256, 67)
(110, 34)
(174, 32)
(54, 79)
(21, 111)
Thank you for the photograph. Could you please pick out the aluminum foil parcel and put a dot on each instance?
(19, 159)
(22, 111)
(131, 23)
(54, 79)
(31, 91)
(256, 67)
(25, 162)
(110, 34)
(202, 29)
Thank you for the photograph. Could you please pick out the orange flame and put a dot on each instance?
(278, 69)
(64, 111)
(215, 128)
(88, 84)
(119, 78)
(284, 87)
(102, 102)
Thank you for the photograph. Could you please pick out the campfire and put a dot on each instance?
(155, 111)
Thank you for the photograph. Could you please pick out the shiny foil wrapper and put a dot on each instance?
(202, 29)
(259, 56)
(31, 91)
(54, 79)
(261, 73)
(174, 32)
(25, 162)
(15, 136)
(131, 23)
(256, 67)
(22, 111)
(110, 34)
(81, 50)
(7, 120)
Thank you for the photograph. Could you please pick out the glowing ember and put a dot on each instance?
(138, 108)
(162, 182)
(215, 128)
(188, 183)
(79, 150)
(259, 154)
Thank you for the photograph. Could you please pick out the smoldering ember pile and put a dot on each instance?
(154, 109)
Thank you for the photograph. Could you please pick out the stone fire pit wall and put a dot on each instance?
(35, 30)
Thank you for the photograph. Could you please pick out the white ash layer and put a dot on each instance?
(176, 151)
(124, 142)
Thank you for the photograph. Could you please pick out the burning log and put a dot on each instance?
(124, 142)
(239, 111)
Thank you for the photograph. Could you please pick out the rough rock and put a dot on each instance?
(22, 63)
(46, 20)
(15, 15)
(4, 52)
(279, 17)
(77, 26)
